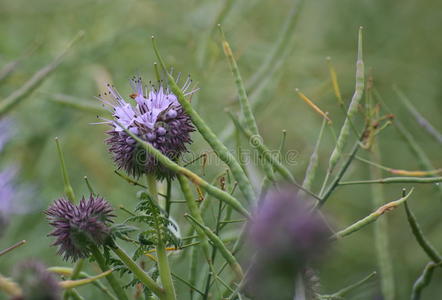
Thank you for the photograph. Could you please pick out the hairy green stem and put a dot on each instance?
(139, 273)
(163, 261)
(113, 282)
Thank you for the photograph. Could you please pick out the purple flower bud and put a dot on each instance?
(171, 114)
(284, 235)
(154, 113)
(151, 136)
(36, 282)
(161, 131)
(76, 227)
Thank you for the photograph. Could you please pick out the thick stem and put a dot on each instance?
(115, 285)
(163, 262)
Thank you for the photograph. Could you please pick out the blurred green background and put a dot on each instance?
(402, 46)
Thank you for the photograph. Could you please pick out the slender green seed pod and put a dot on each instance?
(352, 109)
(195, 212)
(310, 173)
(421, 239)
(218, 147)
(423, 280)
(371, 217)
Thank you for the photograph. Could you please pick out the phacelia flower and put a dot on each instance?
(77, 227)
(156, 117)
(36, 282)
(284, 236)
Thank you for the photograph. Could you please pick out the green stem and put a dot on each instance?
(13, 247)
(195, 211)
(214, 191)
(395, 180)
(418, 234)
(218, 147)
(381, 237)
(423, 281)
(341, 293)
(139, 273)
(217, 242)
(67, 184)
(267, 154)
(115, 285)
(163, 261)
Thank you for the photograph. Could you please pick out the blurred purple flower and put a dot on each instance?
(157, 118)
(285, 235)
(36, 282)
(76, 227)
(6, 132)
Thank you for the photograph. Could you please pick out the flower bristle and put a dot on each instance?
(76, 227)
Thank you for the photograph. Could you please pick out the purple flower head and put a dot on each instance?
(76, 227)
(36, 282)
(155, 116)
(284, 235)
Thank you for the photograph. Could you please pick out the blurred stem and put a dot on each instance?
(67, 184)
(163, 262)
(115, 285)
(13, 247)
(381, 233)
(29, 86)
(341, 293)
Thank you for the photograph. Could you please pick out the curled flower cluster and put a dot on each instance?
(156, 117)
(36, 282)
(76, 227)
(284, 235)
